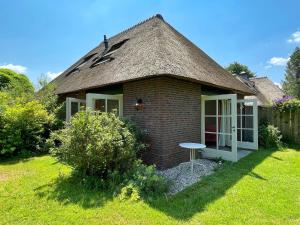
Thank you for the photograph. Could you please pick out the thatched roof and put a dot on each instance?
(266, 90)
(150, 48)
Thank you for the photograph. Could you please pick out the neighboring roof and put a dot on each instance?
(153, 48)
(265, 90)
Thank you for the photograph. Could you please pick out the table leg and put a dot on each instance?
(192, 150)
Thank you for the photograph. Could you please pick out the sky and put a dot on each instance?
(46, 37)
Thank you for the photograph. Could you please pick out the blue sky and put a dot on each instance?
(40, 37)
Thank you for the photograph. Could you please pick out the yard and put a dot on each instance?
(262, 188)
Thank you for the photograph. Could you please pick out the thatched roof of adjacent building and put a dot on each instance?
(150, 48)
(266, 90)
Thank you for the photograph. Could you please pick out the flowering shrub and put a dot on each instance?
(285, 104)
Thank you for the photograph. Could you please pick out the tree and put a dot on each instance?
(15, 83)
(237, 68)
(291, 83)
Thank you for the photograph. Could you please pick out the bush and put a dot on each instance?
(23, 127)
(143, 180)
(269, 136)
(95, 143)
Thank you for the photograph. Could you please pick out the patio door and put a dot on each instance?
(247, 127)
(105, 103)
(218, 129)
(73, 106)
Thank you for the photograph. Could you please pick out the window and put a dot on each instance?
(117, 46)
(101, 60)
(82, 63)
(105, 103)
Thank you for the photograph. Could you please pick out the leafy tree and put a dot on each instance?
(46, 94)
(237, 68)
(291, 84)
(17, 84)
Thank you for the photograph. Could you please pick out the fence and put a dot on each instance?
(287, 122)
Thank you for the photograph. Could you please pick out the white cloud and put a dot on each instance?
(295, 37)
(278, 84)
(267, 67)
(16, 68)
(278, 61)
(52, 75)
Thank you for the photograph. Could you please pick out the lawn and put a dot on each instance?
(263, 188)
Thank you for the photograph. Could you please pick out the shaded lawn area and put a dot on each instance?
(263, 188)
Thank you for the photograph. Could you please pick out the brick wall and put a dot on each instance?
(171, 115)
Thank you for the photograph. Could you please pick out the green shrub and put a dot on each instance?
(269, 136)
(23, 127)
(143, 180)
(95, 144)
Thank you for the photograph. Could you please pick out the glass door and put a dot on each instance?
(105, 103)
(247, 127)
(73, 106)
(218, 130)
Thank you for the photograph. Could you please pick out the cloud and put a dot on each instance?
(16, 68)
(278, 84)
(267, 67)
(295, 37)
(278, 61)
(52, 75)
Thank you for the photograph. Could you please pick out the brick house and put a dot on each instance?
(169, 87)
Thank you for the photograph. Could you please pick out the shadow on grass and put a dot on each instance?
(70, 190)
(184, 205)
(197, 197)
(14, 159)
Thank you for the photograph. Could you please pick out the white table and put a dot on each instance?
(192, 147)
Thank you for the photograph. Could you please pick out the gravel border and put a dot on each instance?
(181, 176)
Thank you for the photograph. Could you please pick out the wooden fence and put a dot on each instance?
(287, 122)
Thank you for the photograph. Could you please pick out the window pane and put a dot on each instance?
(74, 108)
(239, 124)
(211, 140)
(247, 122)
(224, 142)
(247, 135)
(224, 107)
(113, 106)
(224, 124)
(100, 105)
(210, 107)
(210, 124)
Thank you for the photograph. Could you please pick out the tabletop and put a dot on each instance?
(192, 145)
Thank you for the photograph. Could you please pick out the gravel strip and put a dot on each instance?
(181, 176)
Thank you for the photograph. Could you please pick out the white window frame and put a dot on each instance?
(68, 106)
(90, 101)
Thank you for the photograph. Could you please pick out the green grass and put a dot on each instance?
(263, 188)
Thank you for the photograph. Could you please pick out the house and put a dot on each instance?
(153, 75)
(265, 90)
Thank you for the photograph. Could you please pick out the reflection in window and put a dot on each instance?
(113, 106)
(100, 105)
